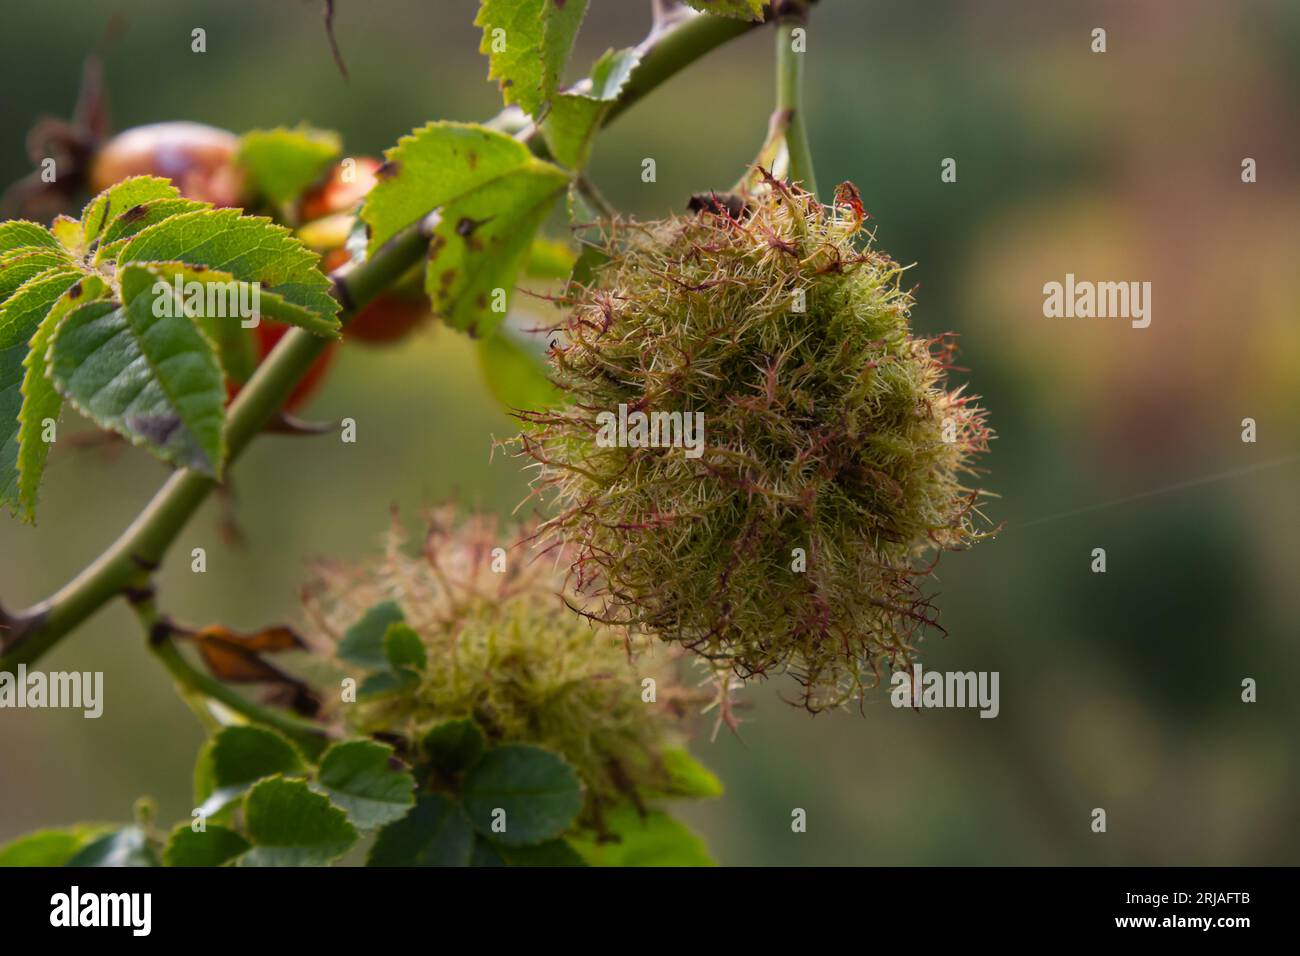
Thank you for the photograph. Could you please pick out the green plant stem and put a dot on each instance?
(307, 735)
(789, 97)
(666, 52)
(140, 549)
(594, 197)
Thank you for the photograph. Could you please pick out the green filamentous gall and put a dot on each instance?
(758, 461)
(503, 648)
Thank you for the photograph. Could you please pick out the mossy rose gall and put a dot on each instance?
(503, 649)
(831, 473)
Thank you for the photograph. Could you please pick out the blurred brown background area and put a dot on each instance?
(1119, 690)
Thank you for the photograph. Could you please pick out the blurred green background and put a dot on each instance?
(1119, 690)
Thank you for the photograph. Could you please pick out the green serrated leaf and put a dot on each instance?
(363, 642)
(382, 642)
(403, 647)
(148, 377)
(282, 163)
(250, 248)
(69, 233)
(435, 833)
(359, 777)
(289, 824)
(652, 839)
(235, 344)
(20, 318)
(154, 379)
(527, 43)
(214, 304)
(515, 371)
(129, 846)
(739, 9)
(235, 759)
(477, 247)
(137, 219)
(23, 311)
(454, 745)
(215, 845)
(118, 199)
(40, 400)
(20, 234)
(577, 114)
(386, 684)
(435, 165)
(51, 847)
(22, 265)
(550, 853)
(491, 195)
(521, 795)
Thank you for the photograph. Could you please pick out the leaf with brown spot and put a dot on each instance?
(538, 38)
(487, 213)
(149, 376)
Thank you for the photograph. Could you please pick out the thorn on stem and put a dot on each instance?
(340, 290)
(141, 595)
(143, 563)
(282, 423)
(160, 632)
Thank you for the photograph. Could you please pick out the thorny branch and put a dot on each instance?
(126, 567)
